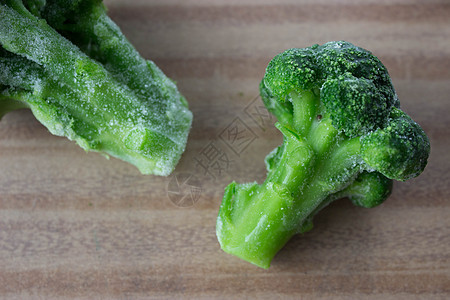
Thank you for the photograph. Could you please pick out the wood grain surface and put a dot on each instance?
(74, 225)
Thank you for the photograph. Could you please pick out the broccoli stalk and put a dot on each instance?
(69, 63)
(344, 136)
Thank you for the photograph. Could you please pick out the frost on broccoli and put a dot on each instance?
(344, 136)
(71, 65)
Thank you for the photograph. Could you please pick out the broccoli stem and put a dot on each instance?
(66, 113)
(255, 221)
(251, 223)
(295, 159)
(304, 110)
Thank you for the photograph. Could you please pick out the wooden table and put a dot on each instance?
(75, 225)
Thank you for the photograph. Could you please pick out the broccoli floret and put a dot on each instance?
(344, 136)
(70, 63)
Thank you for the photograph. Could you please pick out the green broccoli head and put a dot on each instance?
(355, 105)
(368, 190)
(344, 136)
(399, 150)
(309, 68)
(354, 91)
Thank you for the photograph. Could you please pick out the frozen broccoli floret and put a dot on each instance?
(70, 63)
(344, 136)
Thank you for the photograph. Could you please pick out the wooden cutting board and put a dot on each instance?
(75, 225)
